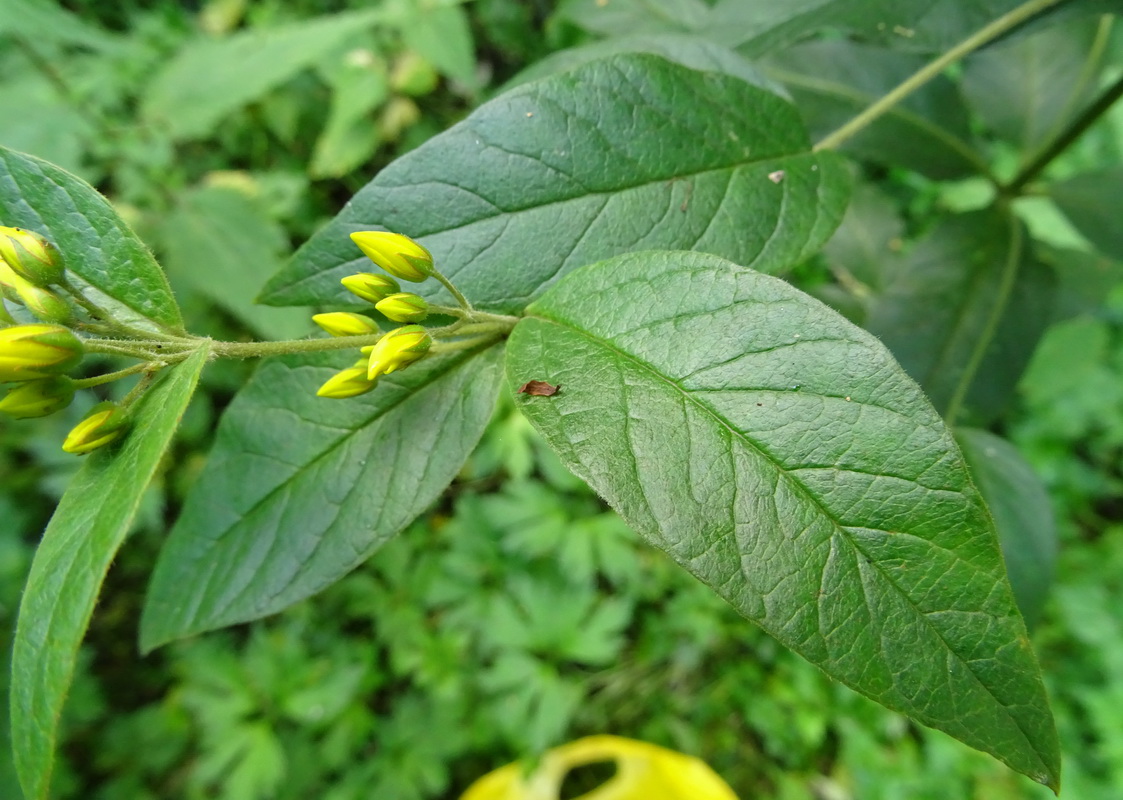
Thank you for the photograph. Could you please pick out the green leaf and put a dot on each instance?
(442, 35)
(220, 244)
(211, 78)
(939, 308)
(300, 489)
(1025, 89)
(779, 454)
(1022, 512)
(832, 81)
(689, 51)
(96, 244)
(625, 153)
(89, 525)
(1091, 203)
(866, 247)
(359, 85)
(42, 23)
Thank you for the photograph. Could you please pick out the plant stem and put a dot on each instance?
(1062, 142)
(109, 377)
(461, 344)
(1005, 287)
(930, 71)
(461, 299)
(286, 347)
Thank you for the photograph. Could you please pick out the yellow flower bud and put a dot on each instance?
(106, 422)
(397, 254)
(403, 307)
(38, 398)
(399, 348)
(9, 280)
(36, 351)
(344, 323)
(371, 287)
(44, 304)
(31, 256)
(350, 382)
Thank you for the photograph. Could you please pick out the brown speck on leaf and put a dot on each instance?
(776, 176)
(539, 389)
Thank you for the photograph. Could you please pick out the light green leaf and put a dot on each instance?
(220, 244)
(442, 35)
(89, 525)
(1091, 203)
(1025, 89)
(40, 23)
(834, 80)
(96, 244)
(301, 489)
(210, 78)
(629, 152)
(937, 310)
(779, 454)
(359, 85)
(1022, 512)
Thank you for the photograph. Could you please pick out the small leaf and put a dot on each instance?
(210, 78)
(937, 309)
(779, 454)
(95, 243)
(1023, 515)
(625, 153)
(89, 525)
(300, 489)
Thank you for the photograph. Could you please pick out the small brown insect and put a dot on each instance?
(539, 389)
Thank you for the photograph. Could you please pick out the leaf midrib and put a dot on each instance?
(800, 487)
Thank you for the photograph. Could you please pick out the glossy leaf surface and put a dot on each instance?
(630, 152)
(83, 536)
(300, 489)
(96, 244)
(779, 454)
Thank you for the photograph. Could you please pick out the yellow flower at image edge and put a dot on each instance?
(36, 351)
(106, 422)
(397, 254)
(38, 398)
(31, 256)
(399, 348)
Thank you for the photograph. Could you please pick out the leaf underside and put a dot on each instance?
(779, 454)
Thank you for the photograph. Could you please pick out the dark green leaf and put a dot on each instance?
(1091, 203)
(938, 308)
(832, 81)
(210, 78)
(220, 244)
(695, 52)
(91, 522)
(300, 489)
(1025, 89)
(629, 152)
(779, 454)
(96, 244)
(866, 247)
(1022, 515)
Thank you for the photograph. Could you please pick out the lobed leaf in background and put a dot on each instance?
(96, 244)
(779, 454)
(972, 279)
(832, 81)
(300, 489)
(627, 153)
(1023, 515)
(71, 562)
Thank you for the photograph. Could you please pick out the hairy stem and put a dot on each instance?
(109, 377)
(922, 76)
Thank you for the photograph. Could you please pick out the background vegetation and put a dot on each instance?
(520, 612)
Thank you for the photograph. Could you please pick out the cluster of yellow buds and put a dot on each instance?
(37, 356)
(405, 259)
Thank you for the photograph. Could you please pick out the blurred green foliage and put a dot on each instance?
(520, 613)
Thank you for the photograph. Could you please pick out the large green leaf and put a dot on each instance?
(1025, 89)
(210, 78)
(218, 242)
(629, 152)
(96, 244)
(833, 81)
(939, 308)
(1023, 515)
(92, 520)
(49, 23)
(779, 454)
(300, 489)
(1091, 203)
